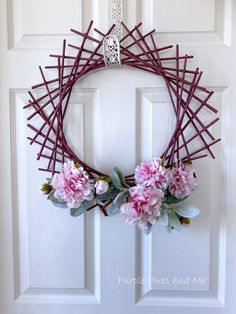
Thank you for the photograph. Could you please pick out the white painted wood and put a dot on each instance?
(178, 21)
(33, 268)
(154, 109)
(53, 263)
(41, 25)
(201, 23)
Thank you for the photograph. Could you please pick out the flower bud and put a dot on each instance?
(101, 186)
(184, 221)
(45, 188)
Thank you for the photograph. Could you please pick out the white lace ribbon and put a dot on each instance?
(111, 50)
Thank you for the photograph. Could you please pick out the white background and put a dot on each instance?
(54, 264)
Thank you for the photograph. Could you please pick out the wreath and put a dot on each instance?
(154, 193)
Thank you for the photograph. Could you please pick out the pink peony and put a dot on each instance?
(131, 212)
(182, 180)
(144, 207)
(151, 173)
(72, 185)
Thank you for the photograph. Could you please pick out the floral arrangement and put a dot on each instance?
(153, 195)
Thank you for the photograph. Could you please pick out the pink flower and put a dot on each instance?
(72, 185)
(144, 207)
(182, 180)
(101, 187)
(131, 213)
(151, 173)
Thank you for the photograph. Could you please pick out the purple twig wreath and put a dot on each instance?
(154, 193)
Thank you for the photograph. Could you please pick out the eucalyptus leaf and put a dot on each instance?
(169, 228)
(50, 194)
(163, 219)
(186, 210)
(171, 199)
(120, 199)
(113, 210)
(148, 229)
(115, 178)
(121, 176)
(56, 202)
(75, 212)
(82, 208)
(174, 221)
(110, 194)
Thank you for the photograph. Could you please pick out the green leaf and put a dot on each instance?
(115, 178)
(110, 194)
(121, 176)
(56, 202)
(148, 229)
(114, 207)
(186, 210)
(113, 210)
(171, 199)
(50, 194)
(174, 221)
(82, 208)
(75, 212)
(120, 199)
(163, 219)
(169, 228)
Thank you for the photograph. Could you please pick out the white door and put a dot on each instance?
(54, 264)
